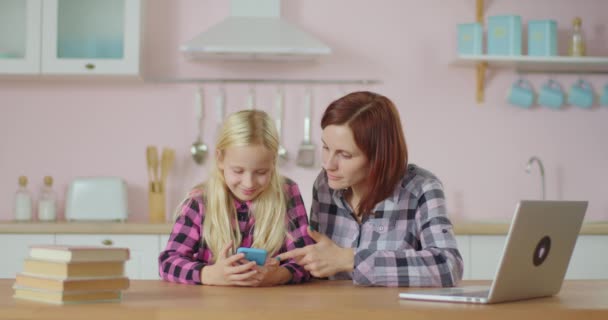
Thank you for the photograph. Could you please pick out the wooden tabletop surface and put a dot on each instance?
(155, 299)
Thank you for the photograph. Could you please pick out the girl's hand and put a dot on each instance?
(324, 258)
(267, 273)
(227, 271)
(270, 274)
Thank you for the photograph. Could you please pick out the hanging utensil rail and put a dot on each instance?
(265, 81)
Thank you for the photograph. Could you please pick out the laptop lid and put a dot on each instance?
(537, 252)
(535, 258)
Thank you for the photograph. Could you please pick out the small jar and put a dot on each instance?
(47, 204)
(577, 40)
(23, 201)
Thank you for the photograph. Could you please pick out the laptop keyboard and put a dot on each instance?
(464, 293)
(482, 294)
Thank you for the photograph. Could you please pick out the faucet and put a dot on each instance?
(531, 161)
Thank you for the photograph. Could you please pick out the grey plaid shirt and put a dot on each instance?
(408, 241)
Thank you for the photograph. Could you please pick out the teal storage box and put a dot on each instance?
(470, 37)
(542, 38)
(504, 35)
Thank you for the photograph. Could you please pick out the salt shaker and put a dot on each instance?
(23, 201)
(47, 204)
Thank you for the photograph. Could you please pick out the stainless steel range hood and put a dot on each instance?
(255, 31)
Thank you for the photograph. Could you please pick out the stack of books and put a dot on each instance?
(73, 274)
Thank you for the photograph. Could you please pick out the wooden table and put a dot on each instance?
(150, 299)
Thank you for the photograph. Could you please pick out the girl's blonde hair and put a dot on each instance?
(244, 128)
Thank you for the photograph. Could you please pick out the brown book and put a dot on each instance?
(62, 297)
(90, 284)
(73, 270)
(78, 253)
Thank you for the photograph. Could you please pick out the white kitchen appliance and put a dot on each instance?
(97, 199)
(254, 30)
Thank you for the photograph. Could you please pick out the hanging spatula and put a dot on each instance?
(306, 153)
(282, 152)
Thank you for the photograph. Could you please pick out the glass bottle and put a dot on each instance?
(47, 204)
(23, 201)
(577, 42)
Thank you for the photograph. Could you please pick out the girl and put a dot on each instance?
(245, 203)
(380, 220)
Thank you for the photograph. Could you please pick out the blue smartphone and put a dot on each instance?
(254, 254)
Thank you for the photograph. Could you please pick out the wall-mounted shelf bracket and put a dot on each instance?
(481, 66)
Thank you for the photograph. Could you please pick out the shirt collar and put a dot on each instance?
(390, 201)
(338, 196)
(242, 205)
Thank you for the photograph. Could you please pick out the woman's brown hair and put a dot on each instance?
(376, 126)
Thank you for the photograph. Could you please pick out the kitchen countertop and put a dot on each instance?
(104, 227)
(6, 227)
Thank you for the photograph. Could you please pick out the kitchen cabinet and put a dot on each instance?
(163, 242)
(481, 246)
(486, 252)
(587, 262)
(15, 249)
(464, 246)
(20, 39)
(70, 37)
(144, 250)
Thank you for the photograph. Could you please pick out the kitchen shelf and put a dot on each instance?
(525, 64)
(530, 64)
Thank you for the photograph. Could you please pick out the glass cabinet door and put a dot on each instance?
(91, 36)
(20, 36)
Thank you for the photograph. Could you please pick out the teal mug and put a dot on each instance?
(551, 95)
(581, 94)
(604, 98)
(521, 94)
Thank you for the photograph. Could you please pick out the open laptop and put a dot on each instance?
(535, 257)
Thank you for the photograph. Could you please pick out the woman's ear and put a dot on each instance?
(219, 159)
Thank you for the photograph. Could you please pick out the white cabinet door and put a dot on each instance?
(589, 260)
(163, 241)
(464, 246)
(91, 37)
(15, 248)
(486, 252)
(20, 36)
(144, 250)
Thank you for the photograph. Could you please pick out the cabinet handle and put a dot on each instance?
(107, 242)
(89, 66)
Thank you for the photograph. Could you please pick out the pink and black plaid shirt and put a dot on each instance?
(185, 256)
(407, 241)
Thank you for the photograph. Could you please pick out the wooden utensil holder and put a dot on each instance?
(156, 203)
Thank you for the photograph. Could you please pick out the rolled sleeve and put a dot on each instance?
(177, 263)
(297, 223)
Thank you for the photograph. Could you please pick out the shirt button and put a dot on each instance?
(381, 228)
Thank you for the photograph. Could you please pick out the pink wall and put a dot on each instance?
(70, 128)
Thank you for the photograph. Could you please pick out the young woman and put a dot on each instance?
(380, 221)
(245, 203)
